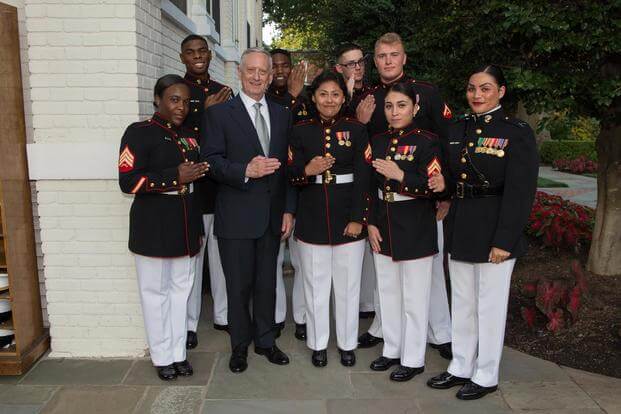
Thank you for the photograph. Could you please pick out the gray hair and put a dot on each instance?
(251, 50)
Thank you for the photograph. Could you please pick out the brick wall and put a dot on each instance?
(89, 70)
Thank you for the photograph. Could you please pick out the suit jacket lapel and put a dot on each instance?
(242, 117)
(274, 133)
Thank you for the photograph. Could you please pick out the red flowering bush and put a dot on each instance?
(578, 165)
(557, 302)
(560, 223)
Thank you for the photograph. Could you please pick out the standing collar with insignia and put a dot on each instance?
(489, 116)
(162, 122)
(401, 77)
(272, 90)
(402, 131)
(195, 80)
(328, 122)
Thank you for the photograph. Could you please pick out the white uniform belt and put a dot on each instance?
(336, 179)
(190, 189)
(392, 197)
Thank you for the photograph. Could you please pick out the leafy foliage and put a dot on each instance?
(556, 150)
(579, 165)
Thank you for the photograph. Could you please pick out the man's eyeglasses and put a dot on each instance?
(353, 63)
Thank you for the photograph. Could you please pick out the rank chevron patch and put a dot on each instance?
(126, 160)
(447, 114)
(368, 154)
(289, 156)
(433, 167)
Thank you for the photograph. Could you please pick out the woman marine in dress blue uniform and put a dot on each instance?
(327, 163)
(494, 166)
(402, 230)
(158, 162)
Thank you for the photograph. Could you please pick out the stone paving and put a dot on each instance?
(581, 189)
(125, 386)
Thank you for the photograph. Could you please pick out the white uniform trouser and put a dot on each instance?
(165, 285)
(367, 283)
(480, 294)
(404, 289)
(216, 278)
(324, 266)
(297, 295)
(439, 331)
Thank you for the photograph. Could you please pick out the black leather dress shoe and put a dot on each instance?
(191, 341)
(348, 358)
(366, 340)
(472, 391)
(445, 381)
(320, 358)
(278, 327)
(183, 368)
(219, 327)
(366, 315)
(167, 372)
(300, 331)
(444, 350)
(273, 354)
(383, 363)
(402, 374)
(238, 362)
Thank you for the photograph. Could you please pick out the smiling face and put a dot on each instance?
(389, 59)
(483, 93)
(174, 104)
(196, 56)
(329, 98)
(255, 74)
(399, 109)
(281, 66)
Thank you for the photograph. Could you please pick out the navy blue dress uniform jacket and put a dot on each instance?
(245, 208)
(200, 89)
(494, 168)
(324, 210)
(408, 228)
(299, 107)
(160, 225)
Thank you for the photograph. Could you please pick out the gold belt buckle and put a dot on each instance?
(459, 193)
(327, 177)
(389, 197)
(183, 190)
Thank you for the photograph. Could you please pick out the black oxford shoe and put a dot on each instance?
(300, 331)
(320, 358)
(183, 368)
(472, 391)
(383, 363)
(278, 327)
(273, 354)
(238, 362)
(348, 358)
(366, 340)
(444, 350)
(445, 381)
(219, 327)
(167, 373)
(191, 341)
(402, 374)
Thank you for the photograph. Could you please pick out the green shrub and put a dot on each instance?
(555, 150)
(563, 127)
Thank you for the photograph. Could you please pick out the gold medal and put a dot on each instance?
(410, 157)
(348, 143)
(341, 143)
(388, 157)
(500, 153)
(398, 157)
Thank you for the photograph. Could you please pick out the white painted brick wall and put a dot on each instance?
(89, 70)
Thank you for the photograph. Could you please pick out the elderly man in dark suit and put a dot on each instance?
(245, 142)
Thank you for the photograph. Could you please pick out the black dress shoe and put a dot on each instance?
(238, 362)
(191, 341)
(167, 372)
(366, 340)
(183, 368)
(445, 381)
(402, 374)
(444, 350)
(300, 331)
(278, 327)
(219, 327)
(273, 354)
(320, 358)
(366, 315)
(383, 363)
(348, 358)
(472, 391)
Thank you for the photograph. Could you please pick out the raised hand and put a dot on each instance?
(221, 96)
(365, 109)
(318, 165)
(189, 171)
(261, 166)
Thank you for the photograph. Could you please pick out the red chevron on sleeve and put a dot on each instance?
(126, 160)
(368, 154)
(289, 156)
(434, 167)
(447, 114)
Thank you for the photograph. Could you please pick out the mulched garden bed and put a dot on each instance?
(593, 342)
